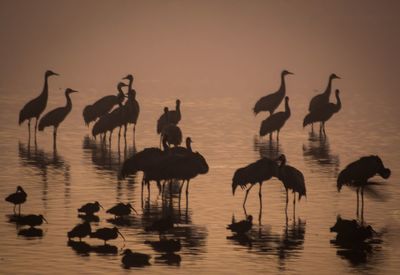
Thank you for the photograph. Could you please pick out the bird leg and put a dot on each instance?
(362, 204)
(247, 193)
(36, 126)
(187, 188)
(294, 205)
(277, 136)
(260, 195)
(312, 127)
(19, 210)
(357, 201)
(287, 200)
(29, 129)
(323, 128)
(125, 128)
(134, 136)
(109, 138)
(14, 209)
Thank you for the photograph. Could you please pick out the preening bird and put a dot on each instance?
(121, 209)
(324, 113)
(31, 220)
(321, 100)
(80, 231)
(103, 105)
(357, 173)
(275, 121)
(35, 107)
(168, 116)
(134, 259)
(270, 102)
(132, 106)
(90, 208)
(256, 172)
(17, 198)
(106, 234)
(56, 116)
(242, 226)
(292, 179)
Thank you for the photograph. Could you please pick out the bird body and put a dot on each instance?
(275, 121)
(168, 117)
(121, 209)
(173, 134)
(106, 234)
(270, 102)
(80, 231)
(17, 198)
(321, 100)
(90, 208)
(31, 220)
(134, 259)
(140, 161)
(242, 226)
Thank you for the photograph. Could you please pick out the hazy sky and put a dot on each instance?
(201, 46)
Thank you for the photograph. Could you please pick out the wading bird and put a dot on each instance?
(103, 105)
(132, 106)
(17, 198)
(357, 173)
(56, 116)
(275, 121)
(256, 172)
(35, 107)
(323, 114)
(134, 259)
(106, 234)
(270, 102)
(121, 209)
(292, 179)
(90, 208)
(242, 226)
(31, 220)
(80, 231)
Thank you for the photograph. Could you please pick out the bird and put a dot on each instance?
(179, 150)
(242, 226)
(121, 209)
(134, 259)
(106, 234)
(132, 105)
(256, 172)
(324, 113)
(103, 105)
(168, 116)
(35, 107)
(31, 220)
(80, 231)
(270, 102)
(167, 124)
(275, 121)
(357, 173)
(292, 179)
(90, 208)
(56, 116)
(320, 100)
(172, 134)
(17, 198)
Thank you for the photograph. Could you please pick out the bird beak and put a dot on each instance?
(73, 91)
(55, 74)
(290, 73)
(121, 235)
(45, 220)
(133, 209)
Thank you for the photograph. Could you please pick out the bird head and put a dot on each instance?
(70, 91)
(41, 216)
(178, 102)
(98, 204)
(116, 229)
(285, 72)
(249, 218)
(131, 207)
(281, 159)
(19, 188)
(337, 92)
(50, 73)
(128, 77)
(165, 110)
(334, 76)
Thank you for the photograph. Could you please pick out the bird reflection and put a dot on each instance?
(31, 232)
(318, 153)
(45, 163)
(267, 148)
(355, 242)
(84, 249)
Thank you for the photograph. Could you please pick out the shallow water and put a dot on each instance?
(224, 130)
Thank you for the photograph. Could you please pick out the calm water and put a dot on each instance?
(224, 131)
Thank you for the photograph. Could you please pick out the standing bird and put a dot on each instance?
(56, 116)
(90, 208)
(357, 173)
(275, 121)
(35, 107)
(80, 231)
(103, 105)
(292, 179)
(270, 102)
(320, 100)
(106, 234)
(134, 259)
(31, 220)
(17, 198)
(242, 226)
(324, 113)
(132, 106)
(167, 117)
(256, 172)
(121, 209)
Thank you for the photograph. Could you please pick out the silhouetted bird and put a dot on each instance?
(161, 225)
(134, 259)
(168, 116)
(242, 226)
(172, 134)
(90, 208)
(357, 173)
(121, 209)
(103, 105)
(321, 100)
(270, 102)
(350, 231)
(106, 234)
(292, 179)
(31, 220)
(256, 172)
(132, 106)
(56, 116)
(324, 113)
(178, 150)
(275, 121)
(35, 107)
(80, 231)
(17, 198)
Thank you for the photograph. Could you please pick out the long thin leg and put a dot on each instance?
(277, 136)
(36, 127)
(247, 193)
(357, 202)
(362, 204)
(134, 133)
(260, 194)
(312, 127)
(323, 127)
(187, 188)
(29, 129)
(294, 204)
(19, 210)
(125, 128)
(287, 201)
(14, 209)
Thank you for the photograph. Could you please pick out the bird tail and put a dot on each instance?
(307, 120)
(21, 117)
(342, 179)
(42, 124)
(129, 167)
(88, 114)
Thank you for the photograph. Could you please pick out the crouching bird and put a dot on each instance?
(106, 234)
(242, 226)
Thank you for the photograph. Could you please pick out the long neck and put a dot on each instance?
(328, 88)
(178, 109)
(69, 102)
(188, 145)
(287, 108)
(130, 84)
(282, 89)
(338, 103)
(45, 91)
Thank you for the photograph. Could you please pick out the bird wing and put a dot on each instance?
(52, 118)
(268, 103)
(272, 123)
